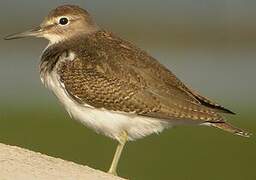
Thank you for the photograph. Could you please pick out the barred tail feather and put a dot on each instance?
(229, 128)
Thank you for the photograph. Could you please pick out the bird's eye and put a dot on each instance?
(63, 21)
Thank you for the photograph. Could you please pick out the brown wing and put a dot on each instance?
(140, 60)
(115, 75)
(103, 90)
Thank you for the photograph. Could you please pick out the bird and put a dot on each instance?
(112, 86)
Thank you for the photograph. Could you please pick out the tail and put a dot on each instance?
(229, 128)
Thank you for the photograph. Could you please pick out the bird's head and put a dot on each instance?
(61, 23)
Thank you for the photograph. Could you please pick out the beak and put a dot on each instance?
(36, 32)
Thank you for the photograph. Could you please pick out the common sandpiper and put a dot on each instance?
(112, 86)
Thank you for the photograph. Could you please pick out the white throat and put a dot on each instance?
(53, 39)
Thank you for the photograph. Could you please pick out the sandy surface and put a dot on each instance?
(21, 164)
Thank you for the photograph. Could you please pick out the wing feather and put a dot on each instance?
(114, 74)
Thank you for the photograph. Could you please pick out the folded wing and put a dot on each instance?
(117, 76)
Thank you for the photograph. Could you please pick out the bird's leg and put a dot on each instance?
(122, 140)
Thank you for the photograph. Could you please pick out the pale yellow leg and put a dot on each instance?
(119, 149)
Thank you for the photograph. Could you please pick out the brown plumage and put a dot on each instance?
(112, 86)
(113, 74)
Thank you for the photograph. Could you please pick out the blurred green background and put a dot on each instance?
(210, 45)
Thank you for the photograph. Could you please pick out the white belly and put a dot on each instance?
(106, 122)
